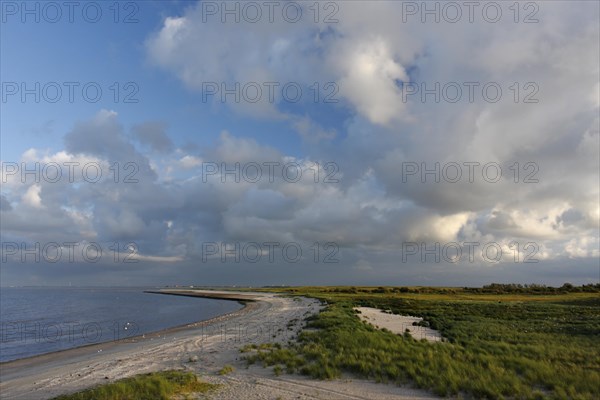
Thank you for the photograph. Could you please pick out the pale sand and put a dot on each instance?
(398, 323)
(215, 343)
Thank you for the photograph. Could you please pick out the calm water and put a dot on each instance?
(41, 320)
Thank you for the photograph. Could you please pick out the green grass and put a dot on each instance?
(226, 370)
(154, 386)
(499, 346)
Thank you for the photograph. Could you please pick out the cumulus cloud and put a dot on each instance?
(527, 171)
(546, 149)
(368, 79)
(153, 134)
(32, 197)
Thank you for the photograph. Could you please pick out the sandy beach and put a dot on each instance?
(203, 347)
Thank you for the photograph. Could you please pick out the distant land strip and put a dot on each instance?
(207, 294)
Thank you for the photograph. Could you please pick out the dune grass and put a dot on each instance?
(154, 386)
(498, 346)
(226, 370)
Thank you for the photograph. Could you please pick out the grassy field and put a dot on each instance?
(155, 386)
(501, 343)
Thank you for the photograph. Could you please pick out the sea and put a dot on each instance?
(39, 320)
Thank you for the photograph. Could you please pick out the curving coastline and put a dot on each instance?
(204, 348)
(215, 342)
(6, 367)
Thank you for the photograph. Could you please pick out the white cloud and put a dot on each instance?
(583, 247)
(188, 162)
(32, 197)
(368, 79)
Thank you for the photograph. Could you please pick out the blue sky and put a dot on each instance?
(107, 52)
(401, 84)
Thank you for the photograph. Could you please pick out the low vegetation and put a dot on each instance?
(502, 342)
(226, 370)
(154, 386)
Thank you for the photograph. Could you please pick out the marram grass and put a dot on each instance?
(154, 386)
(498, 346)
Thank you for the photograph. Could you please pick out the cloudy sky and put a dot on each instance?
(250, 143)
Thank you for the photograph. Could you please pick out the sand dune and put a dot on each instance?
(398, 323)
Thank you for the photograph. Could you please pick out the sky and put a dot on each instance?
(293, 143)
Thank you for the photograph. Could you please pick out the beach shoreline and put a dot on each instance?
(203, 348)
(51, 374)
(67, 353)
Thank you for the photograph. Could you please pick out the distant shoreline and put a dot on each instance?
(209, 294)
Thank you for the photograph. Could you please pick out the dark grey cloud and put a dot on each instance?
(154, 135)
(4, 204)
